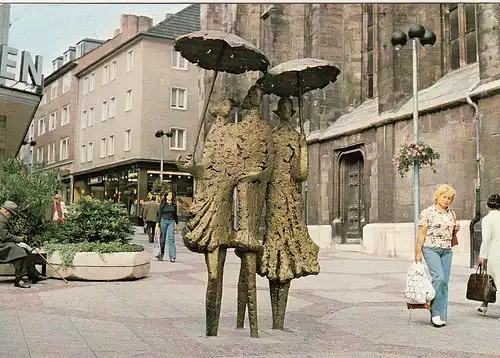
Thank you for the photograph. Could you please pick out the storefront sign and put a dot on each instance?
(8, 63)
(96, 180)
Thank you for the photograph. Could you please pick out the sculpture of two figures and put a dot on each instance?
(266, 166)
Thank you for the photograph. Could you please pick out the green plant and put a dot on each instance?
(68, 251)
(417, 153)
(161, 187)
(95, 220)
(32, 191)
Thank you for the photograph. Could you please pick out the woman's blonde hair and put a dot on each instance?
(444, 189)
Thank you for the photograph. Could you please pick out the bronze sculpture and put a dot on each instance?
(289, 251)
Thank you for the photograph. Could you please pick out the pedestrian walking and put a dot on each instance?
(435, 231)
(489, 254)
(167, 217)
(13, 249)
(150, 216)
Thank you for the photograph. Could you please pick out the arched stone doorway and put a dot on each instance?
(351, 203)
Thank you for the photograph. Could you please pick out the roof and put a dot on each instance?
(452, 88)
(91, 40)
(182, 22)
(185, 21)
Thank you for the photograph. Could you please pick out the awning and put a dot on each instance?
(19, 108)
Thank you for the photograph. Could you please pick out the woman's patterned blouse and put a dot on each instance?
(439, 227)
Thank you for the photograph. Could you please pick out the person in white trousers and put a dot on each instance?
(489, 255)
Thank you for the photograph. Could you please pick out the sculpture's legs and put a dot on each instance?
(273, 291)
(212, 303)
(251, 266)
(242, 295)
(279, 320)
(222, 261)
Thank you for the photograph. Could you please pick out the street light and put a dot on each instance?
(32, 143)
(161, 134)
(426, 37)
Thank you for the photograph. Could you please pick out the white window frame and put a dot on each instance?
(68, 119)
(105, 74)
(90, 151)
(174, 138)
(111, 145)
(83, 153)
(112, 71)
(92, 82)
(178, 60)
(54, 88)
(112, 107)
(128, 100)
(128, 140)
(174, 103)
(39, 155)
(52, 121)
(91, 117)
(85, 84)
(51, 150)
(66, 83)
(103, 148)
(83, 120)
(104, 111)
(130, 60)
(41, 120)
(64, 142)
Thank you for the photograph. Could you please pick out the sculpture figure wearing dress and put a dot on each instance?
(255, 148)
(210, 230)
(289, 251)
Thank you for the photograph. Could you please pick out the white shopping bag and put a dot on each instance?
(419, 289)
(156, 242)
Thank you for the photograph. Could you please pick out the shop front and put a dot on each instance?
(132, 184)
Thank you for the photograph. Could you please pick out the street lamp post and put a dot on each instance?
(161, 134)
(32, 143)
(427, 38)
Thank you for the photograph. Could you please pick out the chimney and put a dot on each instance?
(145, 23)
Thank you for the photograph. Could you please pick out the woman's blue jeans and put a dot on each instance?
(439, 263)
(167, 231)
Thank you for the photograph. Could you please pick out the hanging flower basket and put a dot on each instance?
(415, 153)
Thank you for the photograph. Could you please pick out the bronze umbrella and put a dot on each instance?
(296, 77)
(219, 51)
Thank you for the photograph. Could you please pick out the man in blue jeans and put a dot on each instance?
(168, 219)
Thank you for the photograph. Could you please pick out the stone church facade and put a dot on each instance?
(356, 125)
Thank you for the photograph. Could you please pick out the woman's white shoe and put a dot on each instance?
(437, 322)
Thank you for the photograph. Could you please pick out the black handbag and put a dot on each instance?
(481, 287)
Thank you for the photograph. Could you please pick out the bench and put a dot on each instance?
(8, 269)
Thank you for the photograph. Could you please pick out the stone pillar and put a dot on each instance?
(488, 22)
(142, 184)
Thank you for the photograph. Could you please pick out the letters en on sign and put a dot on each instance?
(8, 63)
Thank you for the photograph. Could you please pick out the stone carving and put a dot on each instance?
(289, 251)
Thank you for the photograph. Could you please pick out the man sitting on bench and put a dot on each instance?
(13, 250)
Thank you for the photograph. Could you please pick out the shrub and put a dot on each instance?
(161, 187)
(33, 192)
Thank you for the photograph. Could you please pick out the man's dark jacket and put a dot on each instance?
(8, 249)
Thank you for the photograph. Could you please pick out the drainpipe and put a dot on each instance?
(477, 216)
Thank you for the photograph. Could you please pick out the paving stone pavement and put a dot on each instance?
(353, 308)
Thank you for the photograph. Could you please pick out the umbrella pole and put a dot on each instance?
(300, 105)
(205, 108)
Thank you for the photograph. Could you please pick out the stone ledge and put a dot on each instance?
(90, 267)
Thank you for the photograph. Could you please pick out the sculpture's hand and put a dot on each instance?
(255, 176)
(187, 164)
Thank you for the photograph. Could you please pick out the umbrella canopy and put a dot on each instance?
(221, 51)
(296, 77)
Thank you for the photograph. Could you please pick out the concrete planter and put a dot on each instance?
(89, 266)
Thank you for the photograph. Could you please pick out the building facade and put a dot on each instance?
(356, 125)
(125, 95)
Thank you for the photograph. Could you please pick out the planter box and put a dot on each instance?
(90, 267)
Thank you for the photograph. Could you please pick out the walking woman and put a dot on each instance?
(489, 255)
(435, 231)
(168, 219)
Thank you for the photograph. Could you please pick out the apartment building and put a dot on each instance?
(53, 123)
(132, 90)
